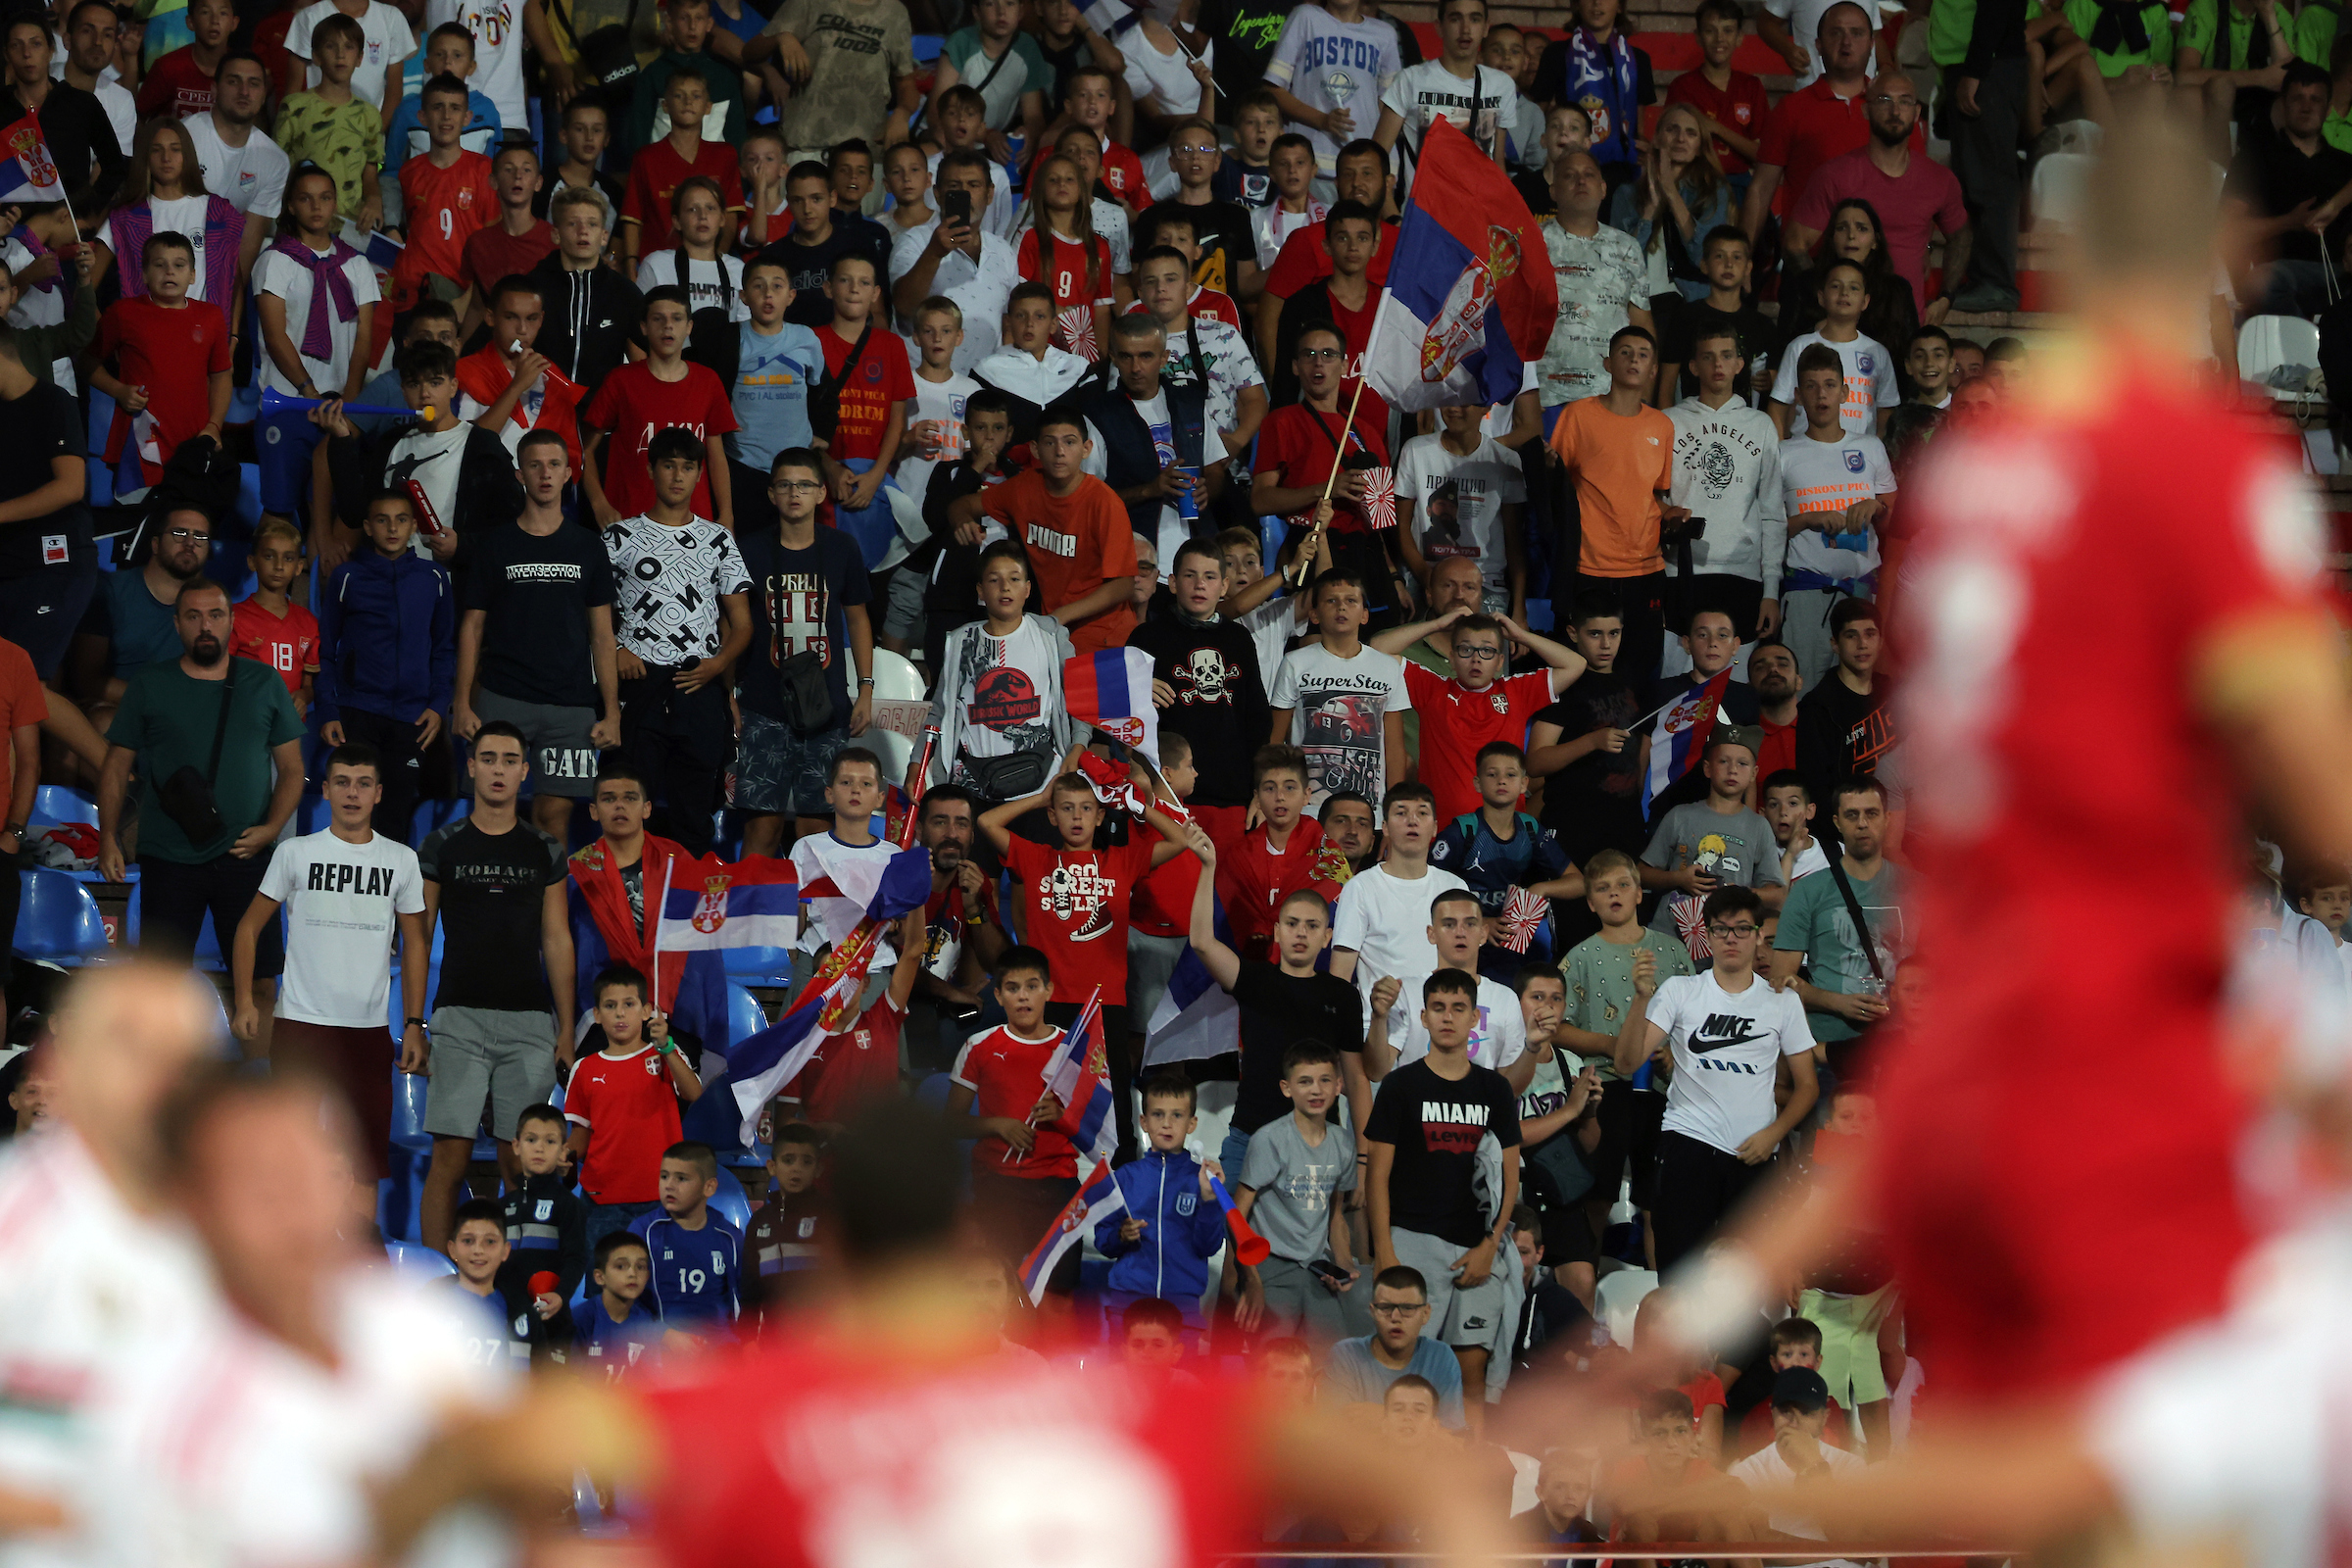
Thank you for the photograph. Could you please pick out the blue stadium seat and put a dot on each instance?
(432, 815)
(928, 46)
(745, 1016)
(420, 1262)
(58, 919)
(731, 1200)
(759, 966)
(62, 803)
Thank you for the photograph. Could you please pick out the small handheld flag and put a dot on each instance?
(1078, 1074)
(1092, 1204)
(28, 173)
(712, 903)
(1249, 1247)
(1112, 691)
(1679, 738)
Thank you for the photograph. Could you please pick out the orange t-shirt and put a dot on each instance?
(1076, 543)
(445, 207)
(1621, 463)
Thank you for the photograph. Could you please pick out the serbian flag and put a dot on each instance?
(29, 174)
(1079, 1075)
(1197, 1018)
(1471, 299)
(717, 904)
(1679, 738)
(1092, 1204)
(1111, 690)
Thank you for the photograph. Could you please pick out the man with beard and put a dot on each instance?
(1912, 194)
(965, 930)
(202, 717)
(1347, 827)
(131, 619)
(1771, 671)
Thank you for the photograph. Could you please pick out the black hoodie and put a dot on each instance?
(592, 318)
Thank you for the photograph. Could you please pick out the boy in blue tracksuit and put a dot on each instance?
(387, 653)
(1160, 1244)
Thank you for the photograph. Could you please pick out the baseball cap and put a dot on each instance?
(1799, 1387)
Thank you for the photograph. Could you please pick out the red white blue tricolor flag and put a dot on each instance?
(1079, 1075)
(716, 903)
(1471, 298)
(1111, 690)
(28, 173)
(1679, 738)
(1091, 1206)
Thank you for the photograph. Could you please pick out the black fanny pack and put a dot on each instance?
(1007, 778)
(187, 794)
(806, 701)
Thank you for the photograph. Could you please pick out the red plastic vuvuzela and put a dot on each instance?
(543, 1283)
(1249, 1247)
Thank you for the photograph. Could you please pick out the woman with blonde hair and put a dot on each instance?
(1681, 196)
(164, 194)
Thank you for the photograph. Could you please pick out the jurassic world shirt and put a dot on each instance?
(1078, 911)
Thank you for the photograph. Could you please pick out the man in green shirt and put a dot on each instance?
(1843, 992)
(172, 718)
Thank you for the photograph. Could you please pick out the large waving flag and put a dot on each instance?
(1092, 1204)
(28, 173)
(1197, 1018)
(1111, 690)
(1471, 298)
(1079, 1075)
(1679, 738)
(763, 1063)
(717, 904)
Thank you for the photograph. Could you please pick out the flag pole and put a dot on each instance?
(1307, 556)
(655, 981)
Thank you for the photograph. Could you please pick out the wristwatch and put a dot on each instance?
(865, 681)
(416, 1023)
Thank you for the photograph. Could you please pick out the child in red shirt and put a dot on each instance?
(861, 1063)
(1062, 251)
(1087, 97)
(1284, 854)
(269, 628)
(623, 1108)
(873, 396)
(659, 168)
(636, 400)
(1023, 1171)
(1733, 101)
(164, 355)
(449, 194)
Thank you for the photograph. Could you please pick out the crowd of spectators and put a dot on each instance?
(629, 385)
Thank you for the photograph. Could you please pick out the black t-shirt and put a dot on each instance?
(1220, 701)
(811, 266)
(1756, 337)
(1246, 34)
(1221, 227)
(1249, 185)
(493, 888)
(798, 604)
(2273, 177)
(1278, 1011)
(1434, 1124)
(535, 593)
(1841, 731)
(42, 425)
(1600, 699)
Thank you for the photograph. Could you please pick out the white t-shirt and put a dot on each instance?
(942, 401)
(1822, 477)
(388, 42)
(1474, 490)
(1164, 81)
(855, 870)
(431, 457)
(1497, 1040)
(1868, 379)
(1232, 369)
(1338, 709)
(1804, 26)
(1384, 920)
(340, 901)
(1765, 1470)
(1272, 624)
(39, 306)
(252, 178)
(1328, 63)
(1483, 108)
(980, 288)
(1727, 1049)
(661, 268)
(183, 216)
(1810, 859)
(1000, 683)
(278, 273)
(678, 575)
(497, 29)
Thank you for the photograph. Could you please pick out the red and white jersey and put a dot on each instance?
(87, 1285)
(822, 1454)
(234, 1452)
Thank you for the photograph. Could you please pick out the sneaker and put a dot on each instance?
(1983, 299)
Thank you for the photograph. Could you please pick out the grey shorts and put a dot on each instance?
(902, 616)
(488, 1067)
(1455, 1316)
(557, 740)
(780, 771)
(1297, 1303)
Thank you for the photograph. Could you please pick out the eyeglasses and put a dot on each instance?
(184, 534)
(1900, 101)
(1728, 932)
(795, 486)
(1313, 356)
(1398, 1308)
(1488, 652)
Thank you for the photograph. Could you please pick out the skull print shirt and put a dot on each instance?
(1220, 703)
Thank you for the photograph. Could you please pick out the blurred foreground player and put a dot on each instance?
(91, 1264)
(895, 1429)
(2122, 526)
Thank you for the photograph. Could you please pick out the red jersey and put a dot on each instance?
(818, 1452)
(1305, 259)
(171, 353)
(1299, 443)
(2121, 535)
(631, 1113)
(288, 643)
(445, 208)
(631, 404)
(1254, 881)
(857, 1064)
(492, 253)
(1077, 903)
(553, 405)
(1739, 107)
(1809, 128)
(880, 383)
(655, 174)
(1163, 905)
(1456, 721)
(1123, 174)
(175, 85)
(1005, 1074)
(1076, 290)
(1779, 750)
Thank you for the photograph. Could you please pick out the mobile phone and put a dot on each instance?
(955, 207)
(1329, 1270)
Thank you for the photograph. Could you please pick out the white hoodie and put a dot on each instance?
(1727, 470)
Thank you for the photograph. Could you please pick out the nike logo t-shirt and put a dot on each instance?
(1727, 1049)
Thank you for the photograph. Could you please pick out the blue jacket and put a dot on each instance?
(387, 637)
(1183, 1229)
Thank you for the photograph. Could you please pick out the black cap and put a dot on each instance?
(1799, 1387)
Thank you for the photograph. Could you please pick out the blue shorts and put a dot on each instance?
(282, 444)
(780, 771)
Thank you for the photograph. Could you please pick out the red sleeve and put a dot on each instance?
(604, 409)
(151, 98)
(718, 415)
(1531, 691)
(1274, 455)
(996, 503)
(1301, 262)
(1951, 213)
(109, 331)
(579, 1098)
(1024, 259)
(1134, 857)
(1117, 532)
(217, 358)
(1773, 146)
(1382, 253)
(1683, 89)
(1023, 856)
(485, 195)
(1747, 90)
(1418, 683)
(2266, 555)
(730, 191)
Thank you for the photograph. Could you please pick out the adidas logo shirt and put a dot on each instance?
(1727, 1051)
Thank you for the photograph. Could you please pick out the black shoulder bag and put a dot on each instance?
(187, 794)
(1853, 908)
